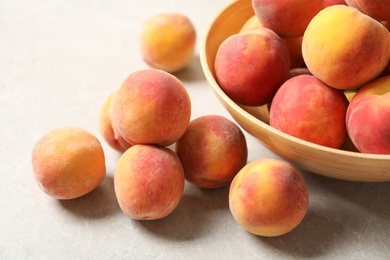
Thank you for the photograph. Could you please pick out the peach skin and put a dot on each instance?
(168, 41)
(268, 197)
(287, 18)
(68, 162)
(307, 108)
(269, 60)
(360, 53)
(151, 107)
(148, 182)
(212, 150)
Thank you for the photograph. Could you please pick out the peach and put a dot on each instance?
(107, 130)
(368, 117)
(212, 150)
(308, 109)
(360, 53)
(368, 124)
(379, 9)
(250, 67)
(268, 197)
(168, 41)
(379, 86)
(148, 182)
(287, 18)
(68, 162)
(151, 107)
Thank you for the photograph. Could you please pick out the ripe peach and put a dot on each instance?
(107, 130)
(68, 162)
(149, 182)
(360, 53)
(368, 124)
(379, 10)
(151, 107)
(269, 61)
(168, 41)
(368, 117)
(268, 197)
(379, 86)
(307, 108)
(212, 150)
(287, 18)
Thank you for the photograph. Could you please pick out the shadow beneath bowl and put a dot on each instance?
(368, 199)
(99, 203)
(198, 213)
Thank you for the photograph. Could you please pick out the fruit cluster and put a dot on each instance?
(150, 111)
(322, 67)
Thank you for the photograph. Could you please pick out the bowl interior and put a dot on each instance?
(334, 163)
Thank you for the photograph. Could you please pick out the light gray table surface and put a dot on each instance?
(59, 60)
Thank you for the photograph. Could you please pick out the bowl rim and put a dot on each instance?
(222, 95)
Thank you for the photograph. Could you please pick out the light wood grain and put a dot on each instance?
(334, 163)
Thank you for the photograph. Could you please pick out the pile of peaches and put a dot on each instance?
(322, 67)
(303, 68)
(148, 121)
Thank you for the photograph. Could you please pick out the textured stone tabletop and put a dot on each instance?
(59, 60)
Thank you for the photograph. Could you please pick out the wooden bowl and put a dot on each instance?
(334, 163)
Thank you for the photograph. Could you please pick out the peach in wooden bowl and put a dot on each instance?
(331, 162)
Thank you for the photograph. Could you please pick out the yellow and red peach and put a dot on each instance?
(212, 150)
(168, 41)
(287, 18)
(368, 125)
(250, 67)
(360, 53)
(149, 182)
(308, 109)
(107, 130)
(368, 117)
(379, 86)
(268, 197)
(68, 162)
(151, 107)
